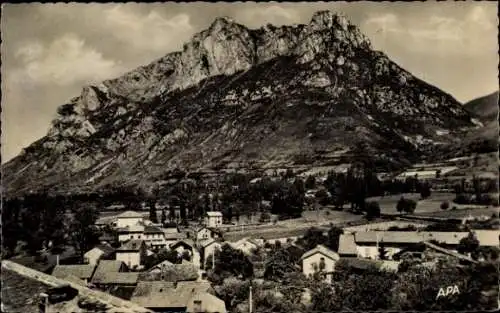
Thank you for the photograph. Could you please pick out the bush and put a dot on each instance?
(406, 205)
(445, 205)
(372, 210)
(264, 218)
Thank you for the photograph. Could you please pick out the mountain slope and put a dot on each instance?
(315, 94)
(485, 108)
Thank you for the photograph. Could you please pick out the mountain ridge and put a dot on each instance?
(235, 96)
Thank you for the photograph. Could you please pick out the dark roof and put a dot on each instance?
(149, 229)
(107, 249)
(106, 266)
(362, 264)
(82, 271)
(131, 245)
(19, 293)
(117, 278)
(347, 246)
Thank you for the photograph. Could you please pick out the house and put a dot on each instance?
(102, 251)
(213, 219)
(130, 232)
(319, 259)
(368, 243)
(247, 245)
(204, 233)
(154, 237)
(104, 267)
(132, 253)
(161, 296)
(158, 267)
(172, 235)
(347, 246)
(189, 247)
(28, 290)
(208, 247)
(83, 272)
(128, 218)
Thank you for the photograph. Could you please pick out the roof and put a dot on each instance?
(82, 271)
(237, 244)
(209, 303)
(106, 266)
(172, 273)
(488, 237)
(129, 214)
(214, 213)
(406, 237)
(21, 287)
(323, 250)
(162, 294)
(175, 236)
(131, 245)
(449, 252)
(161, 265)
(207, 242)
(118, 278)
(132, 229)
(362, 264)
(185, 242)
(106, 249)
(153, 230)
(347, 245)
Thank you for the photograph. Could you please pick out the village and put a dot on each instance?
(164, 267)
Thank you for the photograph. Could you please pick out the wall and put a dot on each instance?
(93, 256)
(130, 221)
(213, 221)
(308, 268)
(371, 251)
(130, 258)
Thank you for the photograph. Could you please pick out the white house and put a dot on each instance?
(208, 248)
(204, 233)
(213, 219)
(130, 232)
(245, 244)
(98, 252)
(128, 218)
(319, 259)
(188, 245)
(132, 253)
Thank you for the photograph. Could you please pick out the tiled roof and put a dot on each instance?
(406, 237)
(132, 229)
(129, 214)
(82, 271)
(131, 245)
(323, 250)
(21, 287)
(106, 266)
(161, 294)
(152, 230)
(449, 252)
(172, 273)
(106, 249)
(362, 264)
(118, 278)
(186, 242)
(175, 236)
(347, 245)
(161, 265)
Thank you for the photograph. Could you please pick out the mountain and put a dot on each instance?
(485, 108)
(314, 94)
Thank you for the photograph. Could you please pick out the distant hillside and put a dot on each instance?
(485, 108)
(314, 94)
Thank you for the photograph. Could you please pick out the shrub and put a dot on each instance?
(445, 205)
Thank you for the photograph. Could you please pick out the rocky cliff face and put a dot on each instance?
(269, 96)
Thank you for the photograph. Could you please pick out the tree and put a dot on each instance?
(312, 238)
(445, 205)
(372, 210)
(425, 191)
(153, 217)
(83, 232)
(406, 205)
(469, 244)
(230, 262)
(163, 216)
(310, 182)
(333, 238)
(278, 265)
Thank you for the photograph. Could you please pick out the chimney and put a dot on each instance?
(43, 302)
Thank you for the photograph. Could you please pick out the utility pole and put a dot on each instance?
(250, 300)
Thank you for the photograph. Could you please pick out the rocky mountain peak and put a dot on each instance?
(329, 19)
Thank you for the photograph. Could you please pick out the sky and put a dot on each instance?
(50, 51)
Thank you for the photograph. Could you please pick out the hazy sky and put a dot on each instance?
(50, 51)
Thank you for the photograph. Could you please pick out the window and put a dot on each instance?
(197, 306)
(131, 236)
